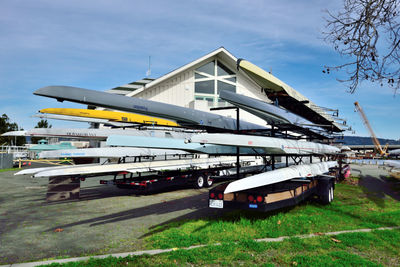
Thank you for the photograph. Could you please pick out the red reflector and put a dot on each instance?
(82, 179)
(212, 195)
(220, 196)
(250, 198)
(259, 199)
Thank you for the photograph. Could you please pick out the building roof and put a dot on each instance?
(130, 87)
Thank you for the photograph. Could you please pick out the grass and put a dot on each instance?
(353, 208)
(10, 169)
(356, 249)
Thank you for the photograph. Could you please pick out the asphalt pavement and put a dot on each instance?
(105, 219)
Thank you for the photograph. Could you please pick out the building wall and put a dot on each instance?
(178, 90)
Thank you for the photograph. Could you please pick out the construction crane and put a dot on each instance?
(375, 140)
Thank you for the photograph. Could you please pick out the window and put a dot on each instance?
(210, 100)
(199, 76)
(222, 70)
(204, 87)
(225, 86)
(210, 79)
(207, 68)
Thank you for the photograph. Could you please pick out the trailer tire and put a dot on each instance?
(209, 181)
(327, 193)
(199, 181)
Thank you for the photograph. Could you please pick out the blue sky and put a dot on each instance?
(98, 44)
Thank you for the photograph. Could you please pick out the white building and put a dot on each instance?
(197, 85)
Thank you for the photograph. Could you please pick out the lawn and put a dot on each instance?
(10, 169)
(355, 249)
(353, 208)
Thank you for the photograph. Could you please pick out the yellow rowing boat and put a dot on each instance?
(110, 115)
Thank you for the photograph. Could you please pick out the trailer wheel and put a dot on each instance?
(199, 181)
(209, 181)
(327, 193)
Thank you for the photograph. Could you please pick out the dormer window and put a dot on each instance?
(210, 79)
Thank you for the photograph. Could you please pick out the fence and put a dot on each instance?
(6, 161)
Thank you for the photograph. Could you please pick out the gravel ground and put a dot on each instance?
(105, 219)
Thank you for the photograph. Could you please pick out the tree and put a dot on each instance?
(7, 126)
(43, 124)
(367, 34)
(4, 123)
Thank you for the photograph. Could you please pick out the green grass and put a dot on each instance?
(356, 249)
(10, 169)
(352, 208)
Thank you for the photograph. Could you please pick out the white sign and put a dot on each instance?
(214, 203)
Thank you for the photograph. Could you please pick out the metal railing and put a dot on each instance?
(16, 151)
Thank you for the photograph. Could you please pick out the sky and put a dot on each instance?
(99, 44)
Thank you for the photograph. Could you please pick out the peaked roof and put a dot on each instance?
(222, 52)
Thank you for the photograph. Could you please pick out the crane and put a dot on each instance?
(375, 140)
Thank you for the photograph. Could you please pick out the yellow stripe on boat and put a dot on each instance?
(109, 115)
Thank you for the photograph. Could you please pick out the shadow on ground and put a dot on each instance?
(378, 188)
(213, 215)
(197, 202)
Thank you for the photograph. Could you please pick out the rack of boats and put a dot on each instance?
(158, 143)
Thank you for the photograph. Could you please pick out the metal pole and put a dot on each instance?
(273, 162)
(237, 148)
(237, 132)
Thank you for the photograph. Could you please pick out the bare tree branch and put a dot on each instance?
(367, 33)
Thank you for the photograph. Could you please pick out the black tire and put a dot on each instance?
(209, 181)
(199, 181)
(327, 193)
